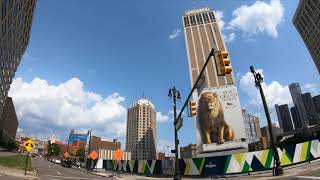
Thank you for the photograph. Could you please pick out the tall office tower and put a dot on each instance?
(307, 21)
(298, 103)
(8, 123)
(15, 24)
(284, 117)
(142, 130)
(310, 109)
(202, 33)
(295, 118)
(316, 102)
(252, 127)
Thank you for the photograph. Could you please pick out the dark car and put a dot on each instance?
(66, 163)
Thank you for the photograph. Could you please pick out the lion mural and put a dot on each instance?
(212, 125)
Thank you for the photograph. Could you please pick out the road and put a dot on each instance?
(49, 171)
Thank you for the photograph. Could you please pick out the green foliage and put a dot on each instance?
(81, 153)
(17, 162)
(54, 149)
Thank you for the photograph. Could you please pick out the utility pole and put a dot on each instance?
(89, 149)
(277, 171)
(176, 95)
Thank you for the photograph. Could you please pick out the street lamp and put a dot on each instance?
(173, 92)
(258, 80)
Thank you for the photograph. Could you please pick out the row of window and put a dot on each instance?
(198, 19)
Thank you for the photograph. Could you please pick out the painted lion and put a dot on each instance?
(212, 125)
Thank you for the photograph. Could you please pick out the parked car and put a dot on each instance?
(66, 163)
(57, 161)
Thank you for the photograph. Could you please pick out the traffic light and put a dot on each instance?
(224, 62)
(192, 108)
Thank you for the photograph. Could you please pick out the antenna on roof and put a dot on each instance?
(142, 94)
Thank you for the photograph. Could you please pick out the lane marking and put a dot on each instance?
(307, 177)
(69, 177)
(59, 172)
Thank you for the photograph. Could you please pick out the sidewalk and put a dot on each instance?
(16, 173)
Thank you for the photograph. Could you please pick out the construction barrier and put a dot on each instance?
(218, 165)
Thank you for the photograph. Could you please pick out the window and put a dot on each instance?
(199, 19)
(205, 17)
(212, 17)
(193, 20)
(186, 22)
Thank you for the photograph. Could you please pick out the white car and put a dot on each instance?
(57, 161)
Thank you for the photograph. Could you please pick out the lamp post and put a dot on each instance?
(173, 92)
(89, 148)
(258, 80)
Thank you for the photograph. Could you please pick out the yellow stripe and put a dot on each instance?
(304, 152)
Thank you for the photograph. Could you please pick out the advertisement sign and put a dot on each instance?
(76, 137)
(219, 122)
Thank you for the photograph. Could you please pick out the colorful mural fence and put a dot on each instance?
(219, 165)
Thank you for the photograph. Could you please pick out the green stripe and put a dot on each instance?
(269, 158)
(227, 164)
(308, 151)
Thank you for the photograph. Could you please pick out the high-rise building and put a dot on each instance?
(202, 33)
(310, 109)
(8, 123)
(316, 102)
(295, 118)
(298, 103)
(252, 127)
(142, 130)
(284, 117)
(307, 19)
(15, 25)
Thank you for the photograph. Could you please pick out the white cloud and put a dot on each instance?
(228, 37)
(275, 94)
(313, 88)
(43, 108)
(219, 16)
(162, 118)
(175, 33)
(261, 17)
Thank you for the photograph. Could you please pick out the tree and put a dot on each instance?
(53, 149)
(80, 153)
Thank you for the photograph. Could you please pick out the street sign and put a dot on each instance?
(93, 155)
(173, 151)
(66, 155)
(28, 145)
(118, 154)
(179, 123)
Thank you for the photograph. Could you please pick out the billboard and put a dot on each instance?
(219, 122)
(76, 137)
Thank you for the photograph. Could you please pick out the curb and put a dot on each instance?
(89, 172)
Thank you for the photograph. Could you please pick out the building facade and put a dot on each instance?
(142, 130)
(310, 109)
(15, 25)
(284, 117)
(307, 22)
(276, 132)
(316, 102)
(295, 118)
(8, 123)
(298, 103)
(202, 33)
(189, 151)
(252, 127)
(97, 143)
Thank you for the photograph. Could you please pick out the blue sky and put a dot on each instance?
(88, 61)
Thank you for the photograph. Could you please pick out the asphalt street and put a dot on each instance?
(49, 171)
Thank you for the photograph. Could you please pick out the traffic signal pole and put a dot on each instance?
(212, 52)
